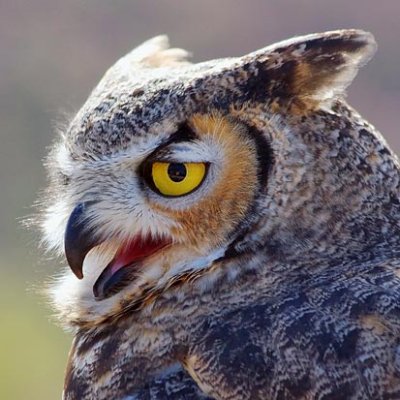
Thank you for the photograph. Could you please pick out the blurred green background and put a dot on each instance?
(51, 55)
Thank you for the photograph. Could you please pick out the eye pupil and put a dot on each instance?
(177, 172)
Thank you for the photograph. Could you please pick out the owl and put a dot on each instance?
(231, 229)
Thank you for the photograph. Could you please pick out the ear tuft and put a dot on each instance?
(326, 65)
(316, 67)
(153, 53)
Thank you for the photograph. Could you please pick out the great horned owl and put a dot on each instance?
(235, 228)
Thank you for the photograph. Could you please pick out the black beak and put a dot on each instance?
(78, 241)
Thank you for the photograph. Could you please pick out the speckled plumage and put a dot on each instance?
(283, 277)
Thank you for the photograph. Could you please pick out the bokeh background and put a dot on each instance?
(52, 53)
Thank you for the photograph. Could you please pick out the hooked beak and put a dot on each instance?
(78, 241)
(122, 269)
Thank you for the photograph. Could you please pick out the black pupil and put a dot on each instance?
(177, 172)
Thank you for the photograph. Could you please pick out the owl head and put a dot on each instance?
(176, 176)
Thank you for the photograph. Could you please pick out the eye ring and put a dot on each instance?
(171, 179)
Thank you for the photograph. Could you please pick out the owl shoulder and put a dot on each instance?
(334, 333)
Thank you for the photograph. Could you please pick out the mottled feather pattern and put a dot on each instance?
(290, 336)
(282, 277)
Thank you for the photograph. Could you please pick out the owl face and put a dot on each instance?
(167, 198)
(171, 169)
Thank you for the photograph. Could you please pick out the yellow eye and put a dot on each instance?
(177, 179)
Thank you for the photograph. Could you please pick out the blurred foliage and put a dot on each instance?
(52, 53)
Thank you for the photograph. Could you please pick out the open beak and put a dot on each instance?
(78, 240)
(127, 261)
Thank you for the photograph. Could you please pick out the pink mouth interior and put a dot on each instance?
(137, 249)
(122, 269)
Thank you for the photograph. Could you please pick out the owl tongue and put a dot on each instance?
(124, 266)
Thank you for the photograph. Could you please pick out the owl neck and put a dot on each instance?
(335, 192)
